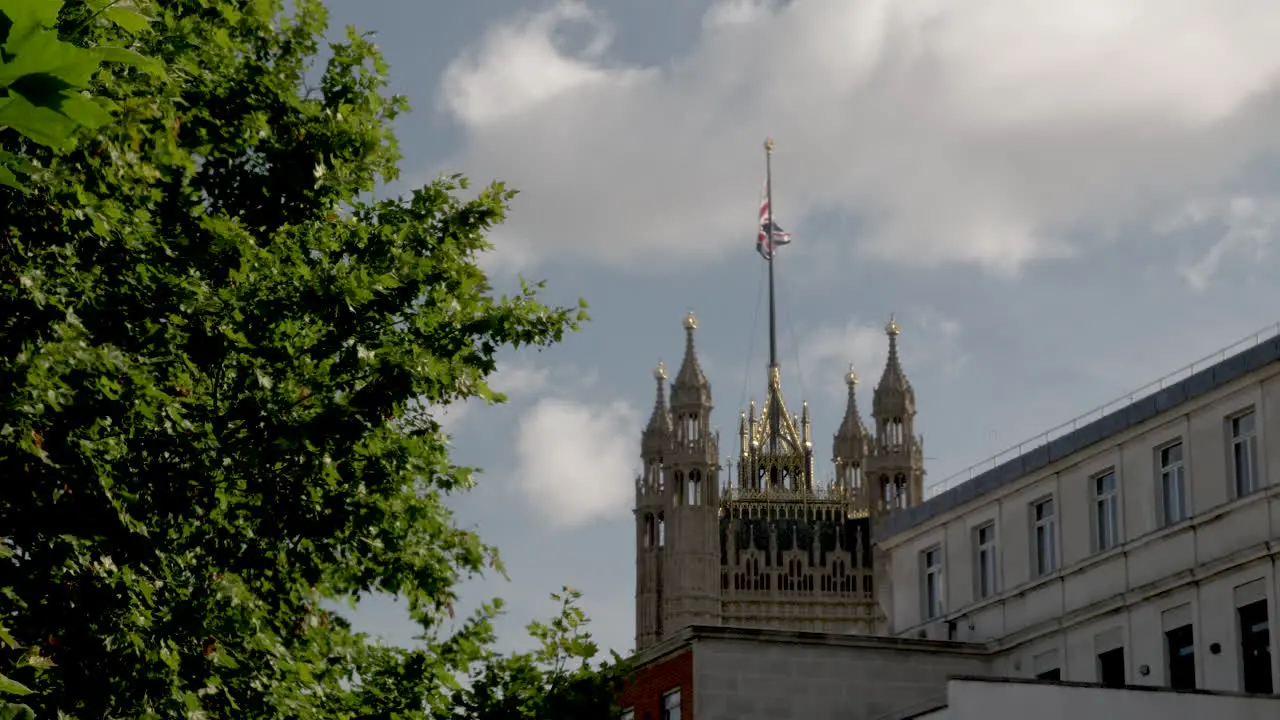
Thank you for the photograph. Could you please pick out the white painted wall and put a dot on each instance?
(980, 700)
(1227, 543)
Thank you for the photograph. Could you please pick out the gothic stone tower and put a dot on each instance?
(896, 463)
(651, 504)
(677, 501)
(775, 549)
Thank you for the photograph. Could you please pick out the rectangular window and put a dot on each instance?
(984, 542)
(1173, 485)
(1050, 674)
(1255, 648)
(1106, 512)
(1180, 648)
(931, 560)
(1244, 453)
(671, 705)
(1044, 537)
(1111, 668)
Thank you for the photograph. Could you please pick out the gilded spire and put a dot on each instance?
(691, 386)
(850, 442)
(656, 434)
(894, 396)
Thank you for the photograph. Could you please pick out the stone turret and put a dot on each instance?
(692, 570)
(850, 446)
(677, 501)
(896, 465)
(651, 496)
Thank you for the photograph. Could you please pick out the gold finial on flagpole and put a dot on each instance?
(768, 145)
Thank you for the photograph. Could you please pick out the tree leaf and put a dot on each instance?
(84, 111)
(31, 13)
(13, 711)
(41, 124)
(131, 58)
(8, 178)
(127, 18)
(8, 686)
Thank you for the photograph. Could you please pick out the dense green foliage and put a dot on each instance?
(219, 361)
(42, 77)
(554, 681)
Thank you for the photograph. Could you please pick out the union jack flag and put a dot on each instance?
(771, 235)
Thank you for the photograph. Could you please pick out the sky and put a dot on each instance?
(1060, 203)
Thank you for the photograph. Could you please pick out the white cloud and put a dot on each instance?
(927, 340)
(515, 380)
(829, 351)
(577, 461)
(452, 416)
(512, 378)
(520, 66)
(987, 132)
(1248, 228)
(735, 12)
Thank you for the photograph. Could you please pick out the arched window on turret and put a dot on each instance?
(693, 488)
(900, 491)
(886, 492)
(678, 486)
(687, 428)
(654, 479)
(849, 476)
(650, 531)
(662, 531)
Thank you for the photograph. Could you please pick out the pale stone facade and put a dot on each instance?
(1140, 548)
(773, 549)
(1002, 699)
(743, 674)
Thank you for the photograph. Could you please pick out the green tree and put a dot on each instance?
(556, 680)
(220, 359)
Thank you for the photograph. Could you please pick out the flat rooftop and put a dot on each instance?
(681, 640)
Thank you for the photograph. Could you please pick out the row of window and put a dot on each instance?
(1171, 502)
(1253, 648)
(670, 708)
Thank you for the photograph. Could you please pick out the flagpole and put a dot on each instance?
(774, 404)
(768, 190)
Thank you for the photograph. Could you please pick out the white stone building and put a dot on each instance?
(1139, 548)
(979, 698)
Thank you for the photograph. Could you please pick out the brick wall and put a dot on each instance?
(652, 680)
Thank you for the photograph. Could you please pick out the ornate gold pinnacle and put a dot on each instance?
(892, 329)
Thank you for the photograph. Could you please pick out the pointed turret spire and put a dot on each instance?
(691, 386)
(658, 432)
(894, 396)
(851, 439)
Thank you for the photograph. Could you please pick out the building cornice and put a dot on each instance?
(687, 637)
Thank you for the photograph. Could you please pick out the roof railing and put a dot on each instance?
(1044, 438)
